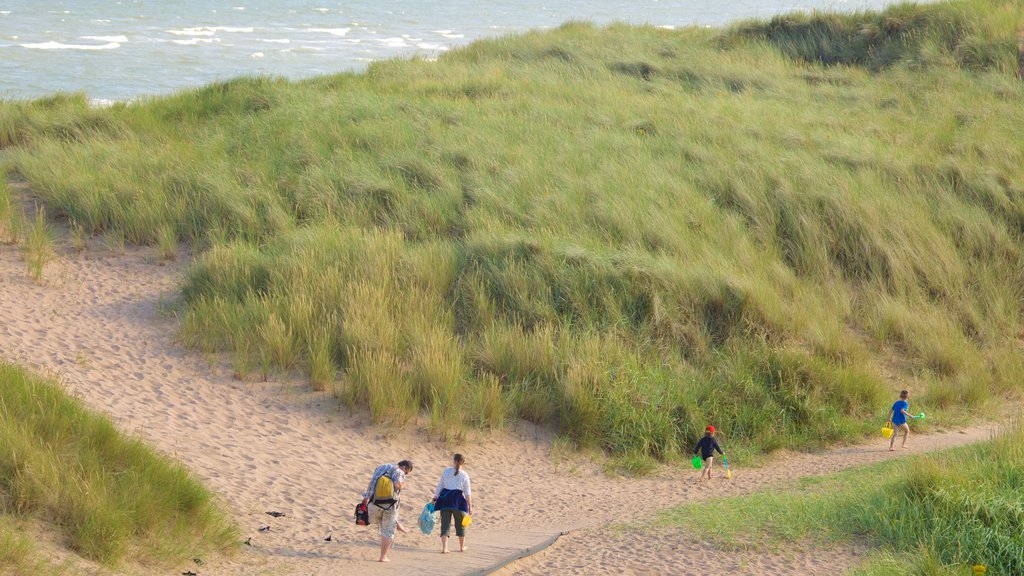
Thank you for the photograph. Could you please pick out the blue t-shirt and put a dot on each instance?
(898, 417)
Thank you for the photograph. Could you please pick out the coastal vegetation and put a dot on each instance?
(111, 498)
(936, 514)
(623, 233)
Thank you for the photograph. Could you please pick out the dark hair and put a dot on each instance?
(406, 464)
(904, 393)
(459, 461)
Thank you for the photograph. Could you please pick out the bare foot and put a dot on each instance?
(384, 560)
(464, 548)
(445, 551)
(905, 447)
(892, 449)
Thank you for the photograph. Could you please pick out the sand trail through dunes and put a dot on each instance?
(100, 322)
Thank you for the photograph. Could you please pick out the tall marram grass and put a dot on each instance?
(975, 35)
(38, 245)
(622, 233)
(11, 219)
(935, 514)
(113, 498)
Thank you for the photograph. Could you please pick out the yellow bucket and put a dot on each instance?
(887, 430)
(466, 520)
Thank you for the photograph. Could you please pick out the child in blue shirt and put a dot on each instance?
(898, 416)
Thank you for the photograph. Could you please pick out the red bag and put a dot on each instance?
(362, 515)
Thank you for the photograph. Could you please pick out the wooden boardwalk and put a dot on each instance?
(486, 553)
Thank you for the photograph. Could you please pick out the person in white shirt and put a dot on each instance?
(453, 497)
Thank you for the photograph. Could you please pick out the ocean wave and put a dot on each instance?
(206, 30)
(448, 34)
(431, 46)
(4, 12)
(276, 40)
(331, 31)
(105, 38)
(256, 55)
(300, 49)
(393, 42)
(195, 41)
(101, 102)
(61, 46)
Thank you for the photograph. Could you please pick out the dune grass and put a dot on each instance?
(112, 498)
(21, 556)
(39, 245)
(17, 552)
(11, 224)
(624, 233)
(936, 514)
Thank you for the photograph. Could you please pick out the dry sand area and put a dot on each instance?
(100, 322)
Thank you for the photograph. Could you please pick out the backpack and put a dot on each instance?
(362, 515)
(384, 493)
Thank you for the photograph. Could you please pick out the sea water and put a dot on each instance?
(115, 50)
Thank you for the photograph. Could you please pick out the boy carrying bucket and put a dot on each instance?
(707, 446)
(898, 416)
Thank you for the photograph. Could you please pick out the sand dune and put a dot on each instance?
(101, 322)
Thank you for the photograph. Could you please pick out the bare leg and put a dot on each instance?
(906, 434)
(444, 544)
(401, 528)
(462, 543)
(385, 545)
(892, 441)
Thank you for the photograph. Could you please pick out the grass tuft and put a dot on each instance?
(39, 248)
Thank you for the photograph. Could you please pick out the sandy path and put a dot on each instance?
(99, 321)
(639, 549)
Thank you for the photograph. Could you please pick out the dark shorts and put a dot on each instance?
(446, 522)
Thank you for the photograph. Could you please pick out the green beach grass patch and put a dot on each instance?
(38, 245)
(621, 233)
(112, 498)
(11, 219)
(21, 555)
(18, 554)
(936, 514)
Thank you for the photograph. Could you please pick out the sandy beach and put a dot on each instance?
(104, 324)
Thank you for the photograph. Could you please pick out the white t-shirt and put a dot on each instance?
(449, 481)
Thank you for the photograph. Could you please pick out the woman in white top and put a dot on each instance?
(454, 499)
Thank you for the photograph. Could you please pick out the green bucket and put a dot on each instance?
(697, 462)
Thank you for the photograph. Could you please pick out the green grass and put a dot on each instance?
(20, 555)
(17, 552)
(112, 498)
(934, 514)
(38, 245)
(11, 220)
(623, 233)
